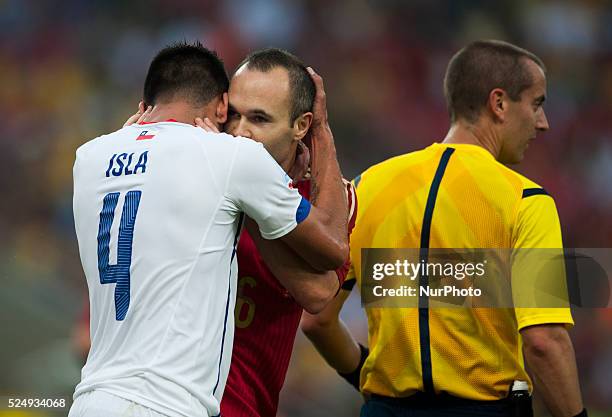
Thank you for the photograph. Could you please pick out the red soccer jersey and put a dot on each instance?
(267, 319)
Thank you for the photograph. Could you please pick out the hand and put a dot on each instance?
(319, 107)
(319, 136)
(206, 124)
(300, 165)
(140, 116)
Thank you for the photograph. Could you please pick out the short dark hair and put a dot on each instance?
(301, 86)
(480, 67)
(189, 71)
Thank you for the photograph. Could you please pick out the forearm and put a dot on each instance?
(553, 369)
(335, 344)
(328, 192)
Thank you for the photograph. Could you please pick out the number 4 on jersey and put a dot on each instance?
(120, 272)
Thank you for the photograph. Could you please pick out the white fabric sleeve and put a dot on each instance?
(259, 187)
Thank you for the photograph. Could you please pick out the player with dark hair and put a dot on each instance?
(189, 72)
(158, 209)
(458, 194)
(273, 100)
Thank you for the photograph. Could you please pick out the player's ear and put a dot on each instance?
(498, 104)
(301, 125)
(221, 110)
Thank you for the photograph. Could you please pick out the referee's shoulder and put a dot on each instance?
(532, 189)
(528, 188)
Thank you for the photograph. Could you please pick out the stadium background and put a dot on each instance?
(74, 69)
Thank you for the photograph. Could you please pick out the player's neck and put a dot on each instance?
(291, 164)
(179, 111)
(473, 134)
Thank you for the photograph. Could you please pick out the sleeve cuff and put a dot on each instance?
(303, 211)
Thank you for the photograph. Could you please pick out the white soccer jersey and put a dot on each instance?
(157, 209)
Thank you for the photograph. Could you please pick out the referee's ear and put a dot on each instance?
(221, 110)
(497, 104)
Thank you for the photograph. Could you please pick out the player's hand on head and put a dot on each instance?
(320, 131)
(206, 124)
(319, 107)
(302, 161)
(133, 118)
(139, 116)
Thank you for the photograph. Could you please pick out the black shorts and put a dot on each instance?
(434, 406)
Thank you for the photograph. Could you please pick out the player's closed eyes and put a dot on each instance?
(258, 119)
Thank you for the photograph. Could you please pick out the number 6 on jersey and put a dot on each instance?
(120, 272)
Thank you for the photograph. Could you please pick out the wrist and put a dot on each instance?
(353, 377)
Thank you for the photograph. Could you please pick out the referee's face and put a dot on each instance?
(525, 117)
(259, 104)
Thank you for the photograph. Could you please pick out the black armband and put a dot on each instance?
(583, 413)
(353, 377)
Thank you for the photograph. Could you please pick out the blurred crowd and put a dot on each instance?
(73, 70)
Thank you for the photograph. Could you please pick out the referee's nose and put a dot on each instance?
(542, 122)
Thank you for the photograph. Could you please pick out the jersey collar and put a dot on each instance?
(467, 147)
(150, 123)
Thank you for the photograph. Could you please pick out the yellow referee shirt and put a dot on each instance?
(450, 196)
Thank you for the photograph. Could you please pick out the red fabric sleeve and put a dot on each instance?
(352, 210)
